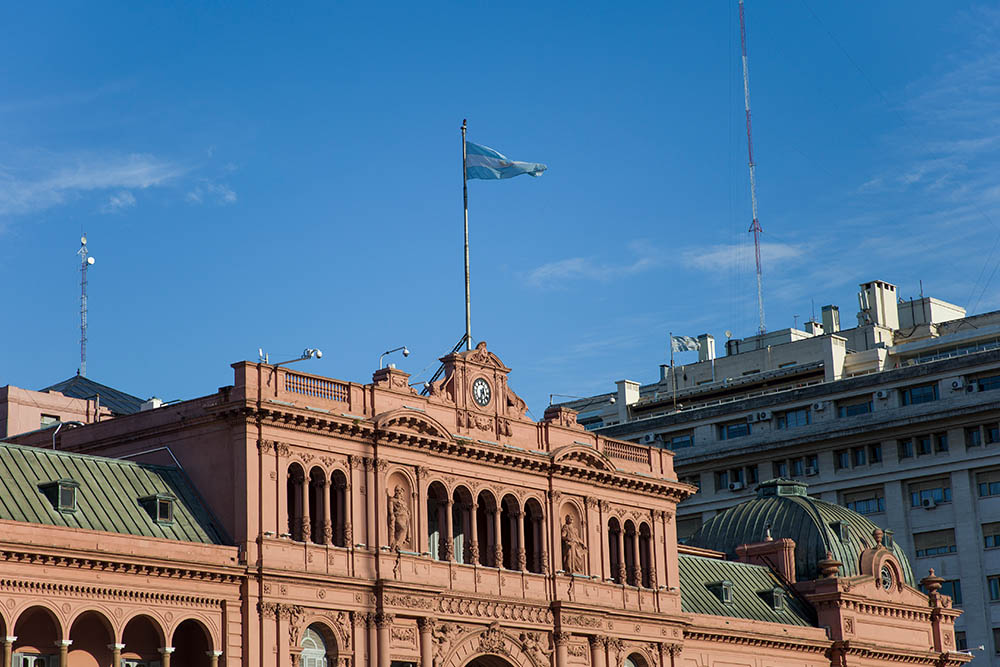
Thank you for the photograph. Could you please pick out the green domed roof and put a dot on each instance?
(816, 526)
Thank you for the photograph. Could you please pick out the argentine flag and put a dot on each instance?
(486, 163)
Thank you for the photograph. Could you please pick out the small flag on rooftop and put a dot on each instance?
(683, 344)
(486, 163)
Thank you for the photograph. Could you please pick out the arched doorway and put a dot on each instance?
(37, 631)
(635, 660)
(488, 661)
(91, 633)
(192, 644)
(317, 647)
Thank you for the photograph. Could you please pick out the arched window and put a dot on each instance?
(317, 487)
(635, 660)
(632, 574)
(534, 536)
(313, 649)
(616, 562)
(461, 525)
(486, 537)
(510, 519)
(295, 479)
(645, 559)
(338, 508)
(437, 521)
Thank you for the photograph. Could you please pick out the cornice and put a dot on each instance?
(760, 641)
(48, 589)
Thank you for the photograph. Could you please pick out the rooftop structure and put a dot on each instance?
(895, 418)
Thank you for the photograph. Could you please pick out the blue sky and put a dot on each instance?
(251, 175)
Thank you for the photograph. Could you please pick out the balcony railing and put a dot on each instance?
(316, 387)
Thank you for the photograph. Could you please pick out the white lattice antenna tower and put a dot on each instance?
(755, 227)
(85, 261)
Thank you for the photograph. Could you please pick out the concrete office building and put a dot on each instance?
(896, 418)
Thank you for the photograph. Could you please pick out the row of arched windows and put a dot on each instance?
(463, 528)
(317, 506)
(629, 553)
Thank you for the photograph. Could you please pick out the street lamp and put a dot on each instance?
(406, 353)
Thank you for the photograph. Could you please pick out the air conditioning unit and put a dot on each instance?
(649, 438)
(957, 385)
(811, 471)
(819, 406)
(926, 503)
(736, 486)
(972, 387)
(882, 394)
(760, 416)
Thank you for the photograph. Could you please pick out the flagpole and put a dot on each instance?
(465, 202)
(673, 377)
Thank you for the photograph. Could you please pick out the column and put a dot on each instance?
(64, 645)
(598, 652)
(371, 531)
(522, 557)
(327, 522)
(116, 654)
(654, 553)
(638, 561)
(426, 627)
(213, 658)
(562, 649)
(622, 572)
(538, 560)
(448, 543)
(165, 652)
(383, 622)
(306, 525)
(474, 537)
(372, 640)
(8, 650)
(497, 541)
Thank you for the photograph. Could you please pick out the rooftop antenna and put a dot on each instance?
(85, 261)
(755, 227)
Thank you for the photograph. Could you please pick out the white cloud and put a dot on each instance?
(119, 202)
(554, 274)
(47, 180)
(718, 257)
(206, 191)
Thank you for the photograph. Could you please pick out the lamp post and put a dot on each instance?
(405, 350)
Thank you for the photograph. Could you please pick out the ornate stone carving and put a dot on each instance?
(282, 449)
(265, 446)
(574, 549)
(382, 465)
(561, 638)
(427, 624)
(408, 601)
(402, 635)
(592, 501)
(383, 619)
(535, 646)
(443, 636)
(491, 640)
(577, 650)
(399, 519)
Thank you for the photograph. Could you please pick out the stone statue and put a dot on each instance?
(399, 519)
(573, 548)
(535, 646)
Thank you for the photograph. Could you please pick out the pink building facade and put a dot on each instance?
(370, 525)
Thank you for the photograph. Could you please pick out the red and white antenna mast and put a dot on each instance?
(755, 225)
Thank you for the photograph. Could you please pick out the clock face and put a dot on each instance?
(886, 577)
(481, 392)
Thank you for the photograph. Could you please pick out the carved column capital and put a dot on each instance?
(383, 620)
(427, 623)
(561, 638)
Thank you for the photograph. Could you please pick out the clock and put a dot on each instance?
(481, 392)
(886, 577)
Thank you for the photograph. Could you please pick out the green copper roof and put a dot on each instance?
(816, 526)
(112, 495)
(752, 588)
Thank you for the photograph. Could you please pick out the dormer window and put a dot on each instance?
(842, 530)
(160, 507)
(61, 493)
(777, 599)
(723, 590)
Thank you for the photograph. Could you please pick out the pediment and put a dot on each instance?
(580, 455)
(479, 356)
(413, 422)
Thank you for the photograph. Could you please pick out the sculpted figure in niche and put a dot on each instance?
(573, 548)
(399, 519)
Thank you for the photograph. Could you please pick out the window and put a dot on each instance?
(988, 483)
(781, 468)
(752, 476)
(865, 502)
(934, 543)
(991, 535)
(923, 445)
(973, 436)
(996, 641)
(859, 456)
(993, 584)
(875, 453)
(681, 441)
(812, 461)
(723, 590)
(164, 510)
(961, 643)
(952, 588)
(693, 480)
(61, 493)
(905, 448)
(722, 480)
(842, 458)
(793, 418)
(933, 492)
(920, 394)
(49, 420)
(35, 660)
(734, 430)
(798, 468)
(841, 530)
(853, 408)
(992, 433)
(988, 383)
(940, 442)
